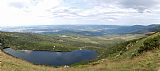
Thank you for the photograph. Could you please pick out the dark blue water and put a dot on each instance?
(53, 58)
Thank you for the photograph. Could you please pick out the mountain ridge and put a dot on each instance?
(90, 30)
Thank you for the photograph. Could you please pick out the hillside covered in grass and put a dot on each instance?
(137, 54)
(136, 47)
(30, 41)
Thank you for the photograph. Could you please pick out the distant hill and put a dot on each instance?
(90, 30)
(155, 28)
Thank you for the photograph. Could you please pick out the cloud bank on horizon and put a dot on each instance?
(56, 12)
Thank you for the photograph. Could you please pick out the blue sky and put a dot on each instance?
(73, 12)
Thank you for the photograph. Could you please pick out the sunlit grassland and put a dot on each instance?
(122, 54)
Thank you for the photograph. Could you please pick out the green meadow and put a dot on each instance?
(127, 52)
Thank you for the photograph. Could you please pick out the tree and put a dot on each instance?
(4, 40)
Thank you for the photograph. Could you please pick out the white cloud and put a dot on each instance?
(39, 12)
(25, 12)
(139, 5)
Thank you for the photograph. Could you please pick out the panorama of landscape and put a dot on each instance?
(79, 35)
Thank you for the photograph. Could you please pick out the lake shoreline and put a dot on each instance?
(77, 63)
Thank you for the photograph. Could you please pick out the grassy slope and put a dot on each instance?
(133, 47)
(127, 58)
(27, 41)
(47, 42)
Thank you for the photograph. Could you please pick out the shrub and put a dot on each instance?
(150, 44)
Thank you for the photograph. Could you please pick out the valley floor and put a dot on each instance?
(149, 61)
